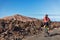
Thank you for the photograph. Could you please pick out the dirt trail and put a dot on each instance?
(55, 36)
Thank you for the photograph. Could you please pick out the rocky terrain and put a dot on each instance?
(55, 35)
(18, 27)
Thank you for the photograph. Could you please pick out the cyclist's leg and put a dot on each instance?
(46, 30)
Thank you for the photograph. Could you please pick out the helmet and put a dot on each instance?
(46, 15)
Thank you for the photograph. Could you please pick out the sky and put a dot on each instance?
(31, 8)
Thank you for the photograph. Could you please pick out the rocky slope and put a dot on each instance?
(18, 26)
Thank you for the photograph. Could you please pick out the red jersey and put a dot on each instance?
(46, 19)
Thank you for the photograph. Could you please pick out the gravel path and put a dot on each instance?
(55, 35)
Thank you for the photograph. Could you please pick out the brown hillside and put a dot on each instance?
(20, 26)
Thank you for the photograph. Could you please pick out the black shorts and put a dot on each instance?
(46, 23)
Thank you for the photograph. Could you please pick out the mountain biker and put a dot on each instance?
(46, 21)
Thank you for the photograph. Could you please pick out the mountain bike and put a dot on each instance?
(46, 29)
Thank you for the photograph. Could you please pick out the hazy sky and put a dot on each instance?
(31, 8)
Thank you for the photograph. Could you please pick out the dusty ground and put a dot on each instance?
(55, 35)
